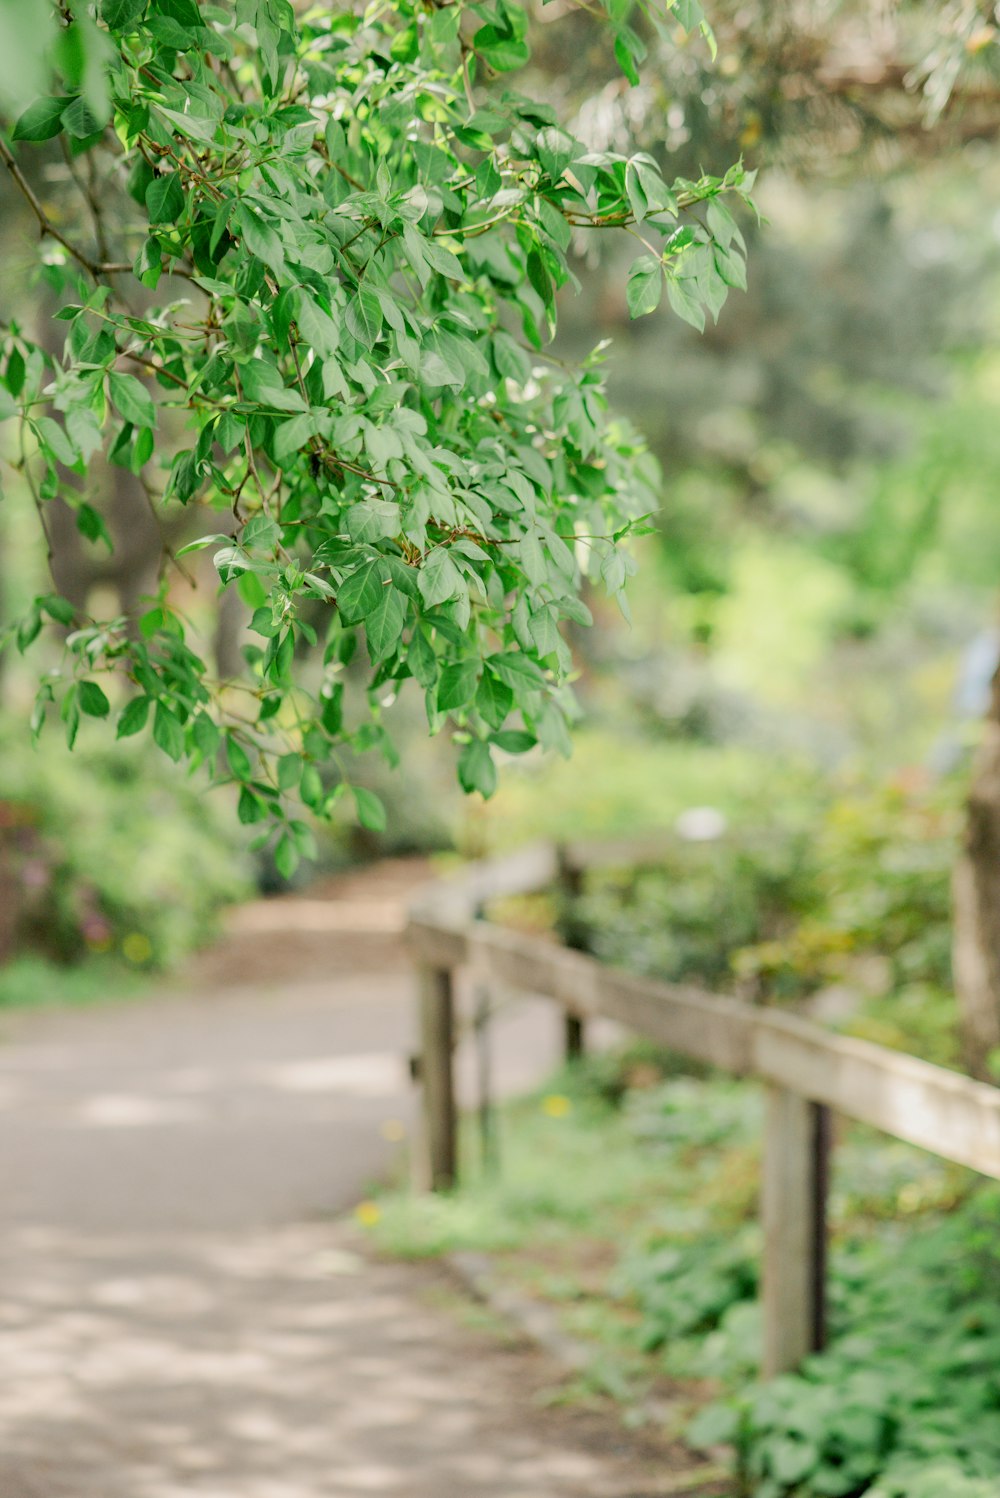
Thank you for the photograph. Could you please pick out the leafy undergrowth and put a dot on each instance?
(847, 909)
(627, 1197)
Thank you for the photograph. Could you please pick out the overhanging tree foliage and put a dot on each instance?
(320, 274)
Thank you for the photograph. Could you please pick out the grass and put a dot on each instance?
(33, 982)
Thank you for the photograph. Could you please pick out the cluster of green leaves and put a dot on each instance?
(361, 234)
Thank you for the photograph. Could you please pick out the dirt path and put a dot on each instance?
(182, 1316)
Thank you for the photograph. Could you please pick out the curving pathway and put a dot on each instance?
(185, 1312)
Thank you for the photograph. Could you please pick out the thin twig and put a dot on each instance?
(97, 268)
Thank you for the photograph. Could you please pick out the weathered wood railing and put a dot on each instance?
(806, 1070)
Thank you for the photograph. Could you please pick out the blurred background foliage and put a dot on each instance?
(813, 621)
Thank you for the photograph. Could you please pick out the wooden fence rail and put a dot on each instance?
(807, 1070)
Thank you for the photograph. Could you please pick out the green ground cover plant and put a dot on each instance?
(627, 1196)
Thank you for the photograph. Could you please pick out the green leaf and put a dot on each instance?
(29, 629)
(58, 608)
(70, 713)
(206, 737)
(90, 524)
(332, 710)
(723, 227)
(476, 770)
(55, 442)
(494, 699)
(517, 671)
(171, 33)
(439, 579)
(260, 239)
(165, 199)
(364, 317)
(532, 557)
(457, 685)
(286, 855)
(41, 120)
(421, 659)
(293, 436)
(513, 740)
(629, 52)
(316, 327)
(683, 298)
(289, 771)
(311, 787)
(93, 700)
(80, 121)
(645, 286)
(384, 623)
(732, 268)
(373, 520)
(132, 399)
(371, 812)
(121, 15)
(168, 733)
(133, 717)
(198, 127)
(501, 49)
(250, 808)
(239, 760)
(263, 383)
(358, 595)
(511, 361)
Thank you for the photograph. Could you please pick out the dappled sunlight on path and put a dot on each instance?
(277, 1364)
(268, 1365)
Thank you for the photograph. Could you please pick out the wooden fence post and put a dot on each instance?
(437, 1037)
(571, 888)
(796, 1148)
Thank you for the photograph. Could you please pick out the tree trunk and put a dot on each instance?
(976, 900)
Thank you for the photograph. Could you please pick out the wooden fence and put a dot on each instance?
(806, 1070)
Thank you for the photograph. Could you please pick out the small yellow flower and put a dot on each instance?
(368, 1214)
(556, 1105)
(910, 1197)
(137, 948)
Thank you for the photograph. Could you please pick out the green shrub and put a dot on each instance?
(115, 853)
(776, 912)
(686, 918)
